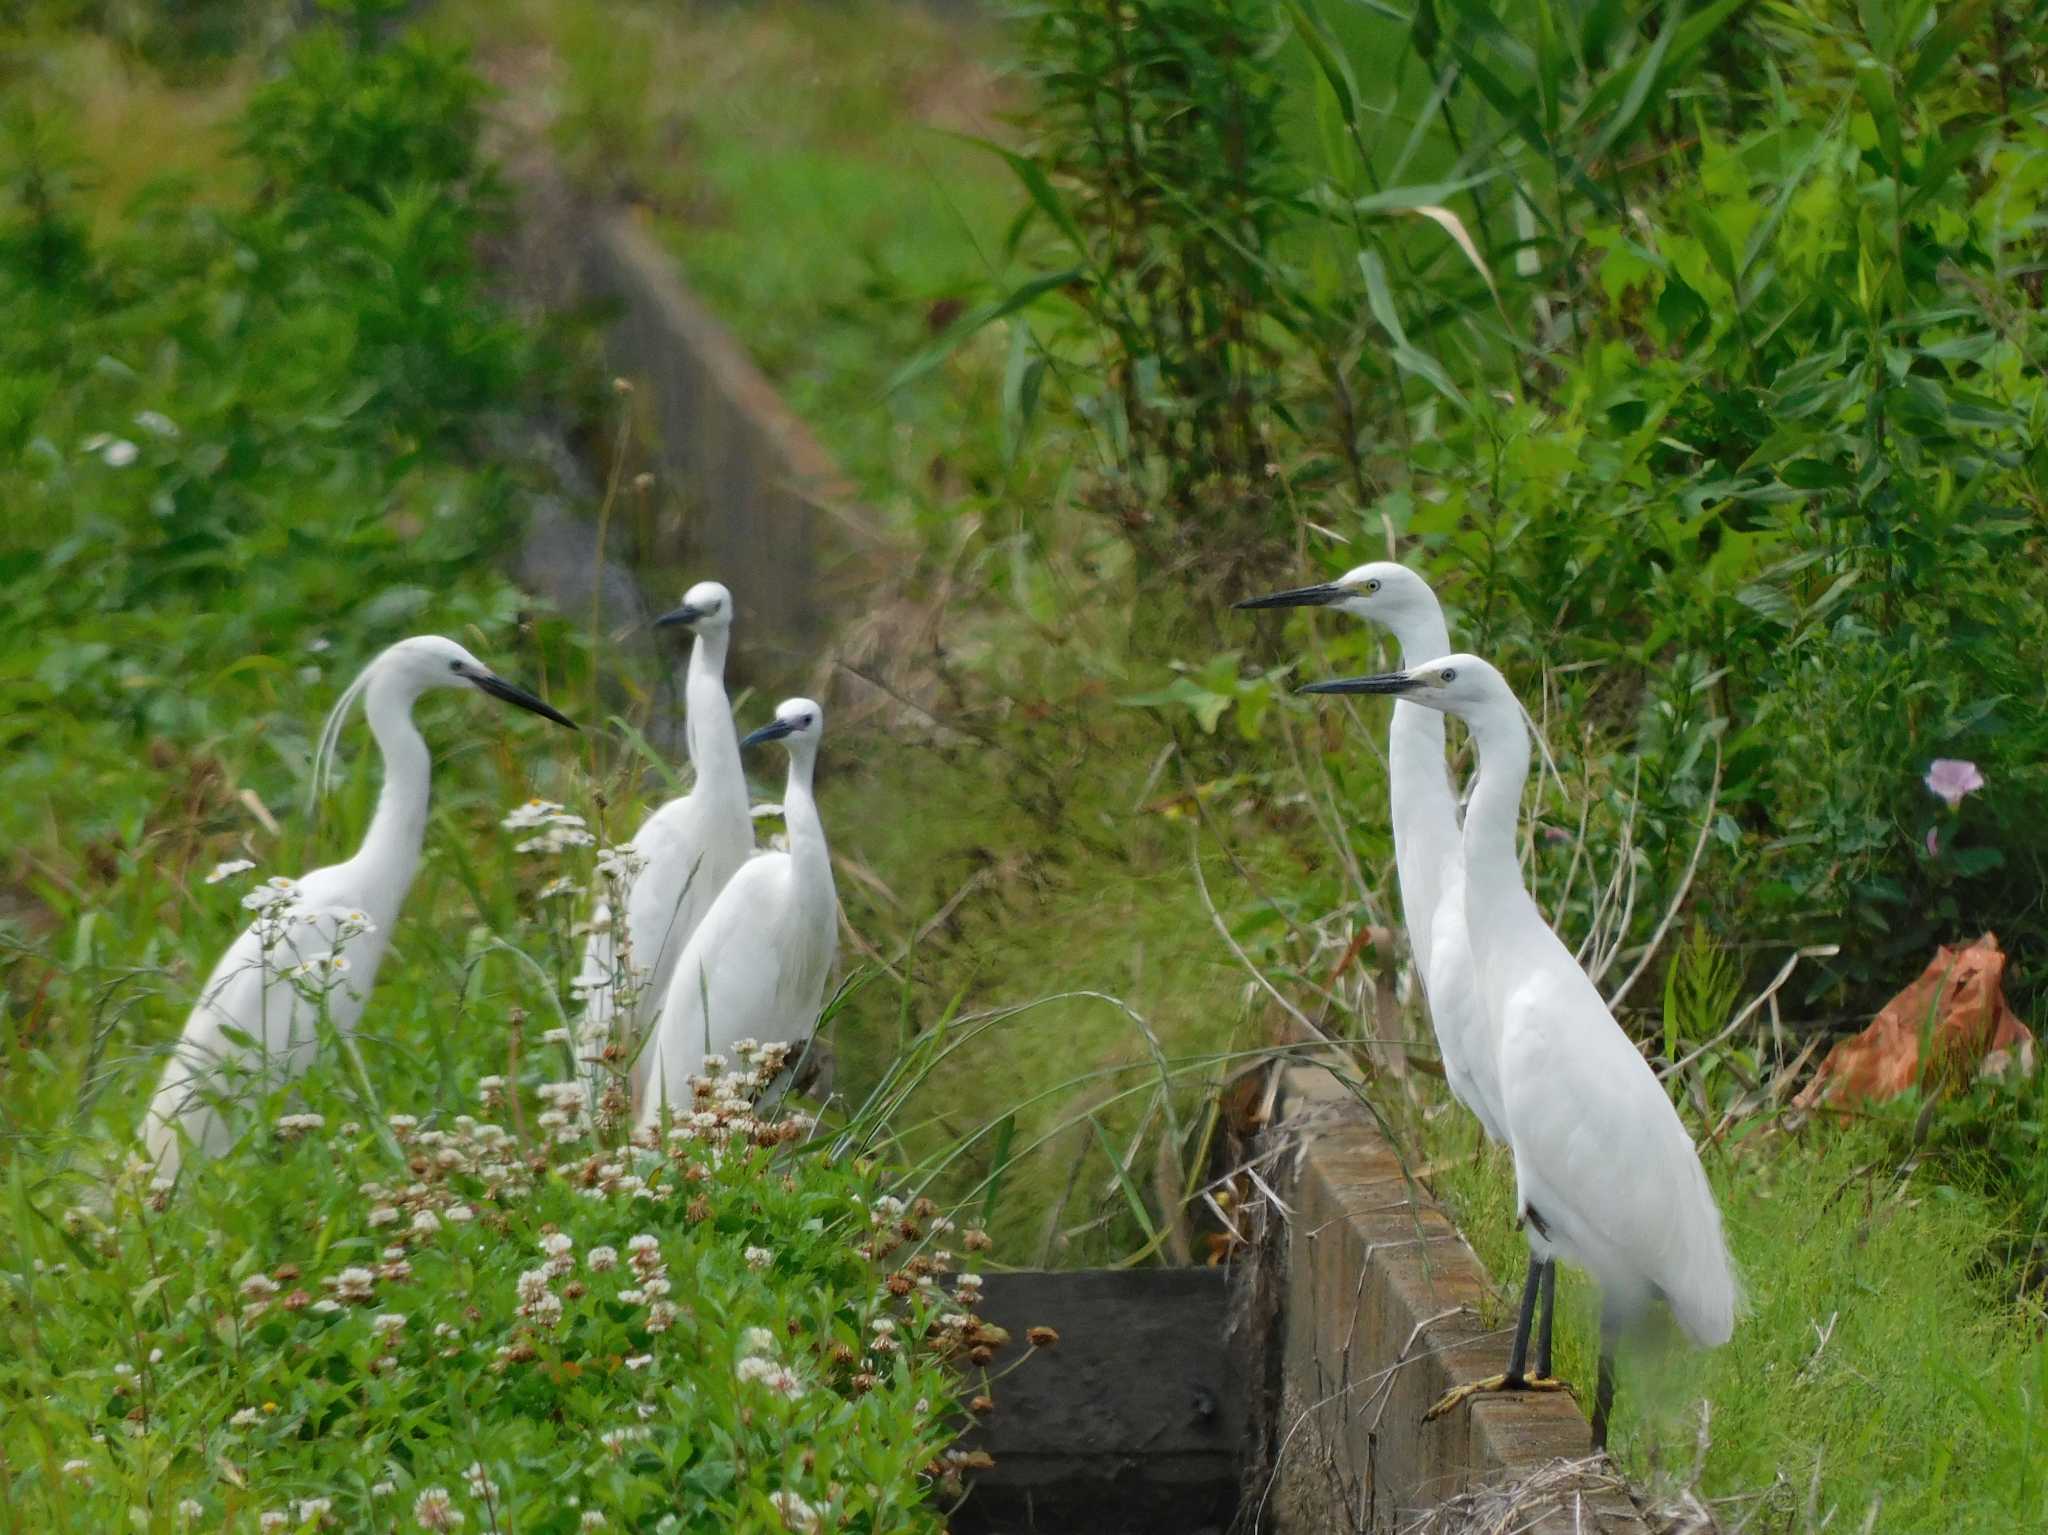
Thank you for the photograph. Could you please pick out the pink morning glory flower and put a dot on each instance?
(1949, 779)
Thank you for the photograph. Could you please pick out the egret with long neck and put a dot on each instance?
(1429, 858)
(317, 942)
(685, 852)
(1605, 1174)
(757, 966)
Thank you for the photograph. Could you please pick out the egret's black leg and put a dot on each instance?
(1546, 1318)
(1515, 1377)
(1603, 1389)
(1518, 1354)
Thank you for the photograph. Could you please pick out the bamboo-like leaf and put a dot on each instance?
(1018, 298)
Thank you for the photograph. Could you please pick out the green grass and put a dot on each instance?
(1882, 1362)
(244, 440)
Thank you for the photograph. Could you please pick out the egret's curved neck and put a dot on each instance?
(714, 742)
(1425, 811)
(391, 848)
(1493, 868)
(807, 849)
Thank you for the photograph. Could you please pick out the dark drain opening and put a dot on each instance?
(1134, 1423)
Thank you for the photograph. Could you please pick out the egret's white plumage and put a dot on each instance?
(686, 850)
(274, 980)
(1429, 858)
(1605, 1173)
(758, 964)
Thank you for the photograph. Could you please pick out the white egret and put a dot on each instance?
(1605, 1174)
(1429, 859)
(758, 964)
(316, 942)
(685, 852)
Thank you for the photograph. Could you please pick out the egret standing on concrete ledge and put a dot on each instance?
(757, 965)
(1429, 856)
(1605, 1174)
(317, 942)
(686, 851)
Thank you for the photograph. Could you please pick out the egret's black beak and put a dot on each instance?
(498, 687)
(684, 615)
(774, 732)
(1385, 682)
(1299, 597)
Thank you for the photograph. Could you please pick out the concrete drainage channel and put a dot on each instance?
(1285, 1395)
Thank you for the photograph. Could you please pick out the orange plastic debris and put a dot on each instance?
(1959, 1004)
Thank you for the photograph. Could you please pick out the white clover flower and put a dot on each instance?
(557, 1244)
(460, 1214)
(632, 1297)
(620, 863)
(759, 1257)
(639, 1361)
(119, 453)
(78, 1468)
(535, 812)
(758, 1340)
(325, 1304)
(273, 1519)
(383, 1489)
(229, 870)
(190, 1509)
(661, 1316)
(402, 1125)
(591, 1520)
(754, 1368)
(312, 1510)
(291, 1127)
(354, 1284)
(387, 1324)
(602, 1259)
(547, 1311)
(248, 1417)
(480, 1483)
(272, 892)
(884, 1325)
(797, 1515)
(435, 1510)
(656, 1284)
(558, 837)
(425, 1223)
(383, 1215)
(258, 1287)
(533, 1284)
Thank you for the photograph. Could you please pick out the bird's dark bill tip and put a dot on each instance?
(498, 687)
(1318, 596)
(1385, 682)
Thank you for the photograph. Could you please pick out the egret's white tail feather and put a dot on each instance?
(1701, 1286)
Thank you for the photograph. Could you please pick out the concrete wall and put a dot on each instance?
(1381, 1301)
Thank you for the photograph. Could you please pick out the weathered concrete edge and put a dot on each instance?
(757, 500)
(1382, 1313)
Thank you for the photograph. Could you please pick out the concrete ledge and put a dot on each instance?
(1381, 1310)
(749, 494)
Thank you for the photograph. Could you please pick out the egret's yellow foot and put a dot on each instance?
(1457, 1394)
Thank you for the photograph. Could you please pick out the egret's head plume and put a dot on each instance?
(412, 667)
(706, 606)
